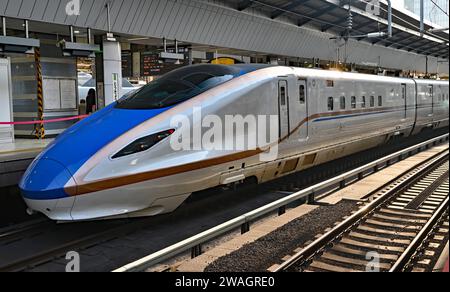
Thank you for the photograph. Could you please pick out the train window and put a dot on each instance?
(331, 103)
(380, 100)
(430, 91)
(181, 85)
(302, 94)
(283, 95)
(353, 102)
(372, 101)
(330, 83)
(343, 103)
(363, 102)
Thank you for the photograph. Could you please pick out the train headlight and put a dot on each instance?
(143, 144)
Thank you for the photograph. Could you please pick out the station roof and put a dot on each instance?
(332, 16)
(294, 30)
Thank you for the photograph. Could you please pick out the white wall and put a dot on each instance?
(6, 131)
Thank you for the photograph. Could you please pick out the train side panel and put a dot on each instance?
(432, 104)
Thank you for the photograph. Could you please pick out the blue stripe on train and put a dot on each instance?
(65, 156)
(80, 142)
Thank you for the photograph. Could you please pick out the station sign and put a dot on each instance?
(153, 65)
(115, 86)
(127, 64)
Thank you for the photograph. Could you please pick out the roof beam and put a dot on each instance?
(317, 14)
(401, 37)
(339, 22)
(362, 25)
(343, 22)
(278, 12)
(401, 41)
(441, 54)
(425, 50)
(425, 47)
(244, 5)
(328, 26)
(436, 51)
(379, 40)
(382, 20)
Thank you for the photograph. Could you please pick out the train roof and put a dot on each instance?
(242, 69)
(319, 73)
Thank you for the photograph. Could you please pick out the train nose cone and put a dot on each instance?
(45, 180)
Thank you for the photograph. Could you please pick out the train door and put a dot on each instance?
(304, 110)
(405, 100)
(283, 103)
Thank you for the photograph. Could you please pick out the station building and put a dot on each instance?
(53, 51)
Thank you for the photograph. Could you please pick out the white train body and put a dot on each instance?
(323, 115)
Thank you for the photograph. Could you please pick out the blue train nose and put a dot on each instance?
(45, 179)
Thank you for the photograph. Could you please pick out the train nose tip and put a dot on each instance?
(45, 180)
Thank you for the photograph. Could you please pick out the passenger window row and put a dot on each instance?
(443, 97)
(354, 104)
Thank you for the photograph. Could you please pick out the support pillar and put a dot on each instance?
(109, 73)
(112, 70)
(40, 128)
(6, 115)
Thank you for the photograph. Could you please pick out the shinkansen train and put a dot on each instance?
(120, 163)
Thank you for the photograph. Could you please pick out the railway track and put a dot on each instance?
(400, 229)
(172, 255)
(46, 246)
(41, 243)
(16, 232)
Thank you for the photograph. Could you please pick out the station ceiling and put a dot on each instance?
(332, 16)
(296, 28)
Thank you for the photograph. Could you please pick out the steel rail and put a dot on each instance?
(317, 246)
(405, 258)
(245, 220)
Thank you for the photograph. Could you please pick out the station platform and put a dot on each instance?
(16, 157)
